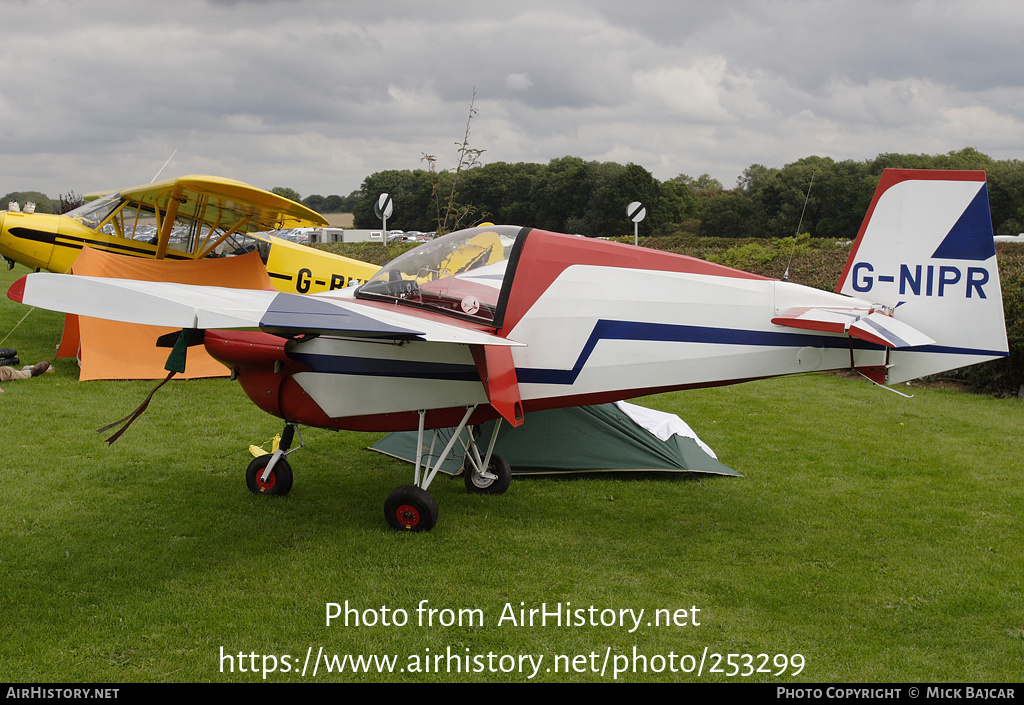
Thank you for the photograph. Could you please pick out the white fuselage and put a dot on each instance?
(596, 332)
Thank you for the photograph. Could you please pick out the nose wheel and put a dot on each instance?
(278, 482)
(270, 473)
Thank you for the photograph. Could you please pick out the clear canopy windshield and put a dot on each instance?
(459, 274)
(93, 213)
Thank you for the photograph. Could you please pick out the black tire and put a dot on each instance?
(483, 485)
(279, 482)
(409, 508)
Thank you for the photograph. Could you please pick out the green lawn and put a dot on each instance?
(877, 537)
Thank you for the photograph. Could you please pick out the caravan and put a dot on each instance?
(319, 235)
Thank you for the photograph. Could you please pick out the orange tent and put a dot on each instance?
(112, 350)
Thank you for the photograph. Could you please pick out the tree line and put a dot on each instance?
(817, 195)
(569, 194)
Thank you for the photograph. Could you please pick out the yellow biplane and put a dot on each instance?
(187, 218)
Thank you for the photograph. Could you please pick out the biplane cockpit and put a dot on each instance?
(122, 218)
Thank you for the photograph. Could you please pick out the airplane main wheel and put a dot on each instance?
(484, 485)
(279, 482)
(409, 508)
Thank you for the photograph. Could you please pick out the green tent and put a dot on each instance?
(602, 438)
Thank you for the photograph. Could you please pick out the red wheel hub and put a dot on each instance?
(269, 484)
(408, 515)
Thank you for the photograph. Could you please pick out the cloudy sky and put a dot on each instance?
(316, 94)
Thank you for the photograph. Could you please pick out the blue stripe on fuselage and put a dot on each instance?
(377, 367)
(671, 333)
(603, 330)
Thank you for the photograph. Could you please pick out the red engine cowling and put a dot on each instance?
(259, 362)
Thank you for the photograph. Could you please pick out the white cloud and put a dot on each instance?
(316, 95)
(518, 81)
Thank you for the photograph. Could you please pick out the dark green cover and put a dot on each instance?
(598, 438)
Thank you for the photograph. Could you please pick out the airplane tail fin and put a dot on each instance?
(926, 251)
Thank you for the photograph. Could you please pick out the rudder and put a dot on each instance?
(926, 251)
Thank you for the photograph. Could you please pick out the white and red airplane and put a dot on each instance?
(502, 321)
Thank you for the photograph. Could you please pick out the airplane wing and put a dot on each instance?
(203, 307)
(212, 206)
(215, 199)
(863, 323)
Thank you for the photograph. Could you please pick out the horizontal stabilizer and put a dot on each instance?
(863, 323)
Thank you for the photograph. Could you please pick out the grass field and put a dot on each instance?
(876, 537)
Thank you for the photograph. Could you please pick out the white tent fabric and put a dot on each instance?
(662, 424)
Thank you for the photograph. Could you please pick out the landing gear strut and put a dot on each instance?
(489, 474)
(409, 507)
(412, 508)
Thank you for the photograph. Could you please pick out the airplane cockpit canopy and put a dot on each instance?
(121, 217)
(460, 274)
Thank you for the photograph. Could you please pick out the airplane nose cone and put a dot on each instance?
(3, 241)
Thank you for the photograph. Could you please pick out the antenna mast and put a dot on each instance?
(165, 166)
(785, 276)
